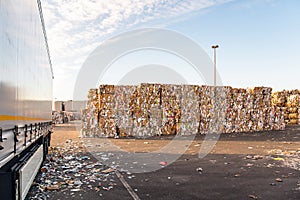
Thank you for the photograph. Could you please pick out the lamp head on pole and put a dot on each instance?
(215, 46)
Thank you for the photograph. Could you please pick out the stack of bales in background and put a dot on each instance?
(155, 109)
(279, 109)
(292, 104)
(287, 102)
(250, 110)
(57, 117)
(90, 115)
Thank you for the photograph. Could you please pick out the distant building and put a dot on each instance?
(69, 105)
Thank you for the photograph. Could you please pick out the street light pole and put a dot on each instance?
(215, 63)
(215, 102)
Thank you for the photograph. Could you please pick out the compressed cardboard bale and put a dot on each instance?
(155, 127)
(293, 116)
(106, 89)
(187, 128)
(220, 105)
(106, 98)
(190, 104)
(141, 131)
(155, 120)
(124, 108)
(106, 112)
(85, 129)
(90, 114)
(293, 101)
(93, 97)
(126, 132)
(279, 99)
(230, 112)
(58, 117)
(237, 109)
(170, 105)
(292, 104)
(146, 97)
(215, 110)
(206, 108)
(168, 127)
(294, 92)
(248, 110)
(293, 121)
(169, 124)
(123, 95)
(293, 110)
(123, 119)
(108, 127)
(267, 123)
(277, 118)
(116, 107)
(151, 92)
(262, 104)
(106, 117)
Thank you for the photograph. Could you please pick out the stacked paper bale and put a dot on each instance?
(171, 100)
(248, 110)
(123, 109)
(146, 99)
(230, 113)
(267, 100)
(228, 126)
(154, 107)
(279, 98)
(277, 118)
(140, 114)
(218, 109)
(279, 110)
(216, 112)
(261, 108)
(248, 115)
(206, 108)
(90, 115)
(292, 107)
(57, 117)
(107, 113)
(85, 129)
(287, 102)
(220, 104)
(293, 104)
(189, 120)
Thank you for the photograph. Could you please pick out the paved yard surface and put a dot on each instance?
(240, 166)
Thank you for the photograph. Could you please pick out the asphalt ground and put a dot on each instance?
(261, 165)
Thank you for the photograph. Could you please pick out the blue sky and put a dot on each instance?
(258, 40)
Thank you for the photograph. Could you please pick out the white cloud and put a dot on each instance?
(76, 27)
